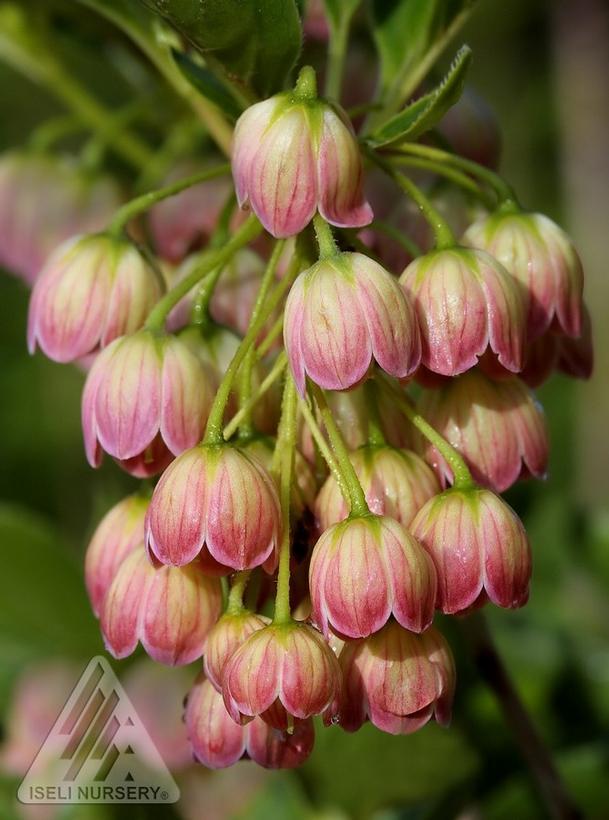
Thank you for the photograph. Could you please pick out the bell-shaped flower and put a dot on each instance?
(294, 154)
(343, 313)
(146, 399)
(218, 500)
(169, 610)
(497, 426)
(397, 680)
(479, 547)
(92, 290)
(466, 303)
(217, 741)
(283, 665)
(119, 532)
(543, 259)
(366, 569)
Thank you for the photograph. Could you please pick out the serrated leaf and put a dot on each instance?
(425, 112)
(256, 42)
(409, 36)
(208, 84)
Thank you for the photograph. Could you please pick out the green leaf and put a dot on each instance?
(425, 112)
(45, 611)
(256, 42)
(409, 36)
(208, 84)
(363, 772)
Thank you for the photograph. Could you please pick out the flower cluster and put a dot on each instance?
(301, 546)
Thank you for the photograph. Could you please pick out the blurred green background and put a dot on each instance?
(543, 67)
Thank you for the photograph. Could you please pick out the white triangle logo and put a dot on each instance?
(98, 751)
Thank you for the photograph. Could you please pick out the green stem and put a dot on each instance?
(376, 437)
(275, 331)
(452, 174)
(394, 233)
(248, 231)
(325, 238)
(53, 130)
(287, 442)
(443, 234)
(144, 202)
(265, 385)
(504, 191)
(357, 499)
(237, 590)
(337, 50)
(462, 478)
(199, 314)
(323, 447)
(246, 427)
(263, 308)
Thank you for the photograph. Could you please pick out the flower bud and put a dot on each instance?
(479, 547)
(365, 569)
(293, 155)
(225, 638)
(342, 313)
(542, 257)
(45, 200)
(119, 532)
(466, 302)
(396, 483)
(170, 610)
(143, 390)
(497, 426)
(286, 663)
(92, 290)
(218, 741)
(219, 498)
(397, 680)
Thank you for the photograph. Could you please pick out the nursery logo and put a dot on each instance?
(98, 751)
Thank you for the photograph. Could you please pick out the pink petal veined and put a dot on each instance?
(335, 342)
(127, 425)
(292, 331)
(389, 315)
(340, 175)
(176, 518)
(121, 612)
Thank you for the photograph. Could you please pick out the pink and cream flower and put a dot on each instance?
(343, 313)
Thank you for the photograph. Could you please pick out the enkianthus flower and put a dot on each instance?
(225, 638)
(343, 313)
(295, 154)
(285, 664)
(219, 500)
(397, 680)
(217, 741)
(543, 259)
(479, 547)
(119, 532)
(497, 426)
(169, 610)
(45, 200)
(366, 569)
(466, 303)
(146, 399)
(92, 290)
(396, 483)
